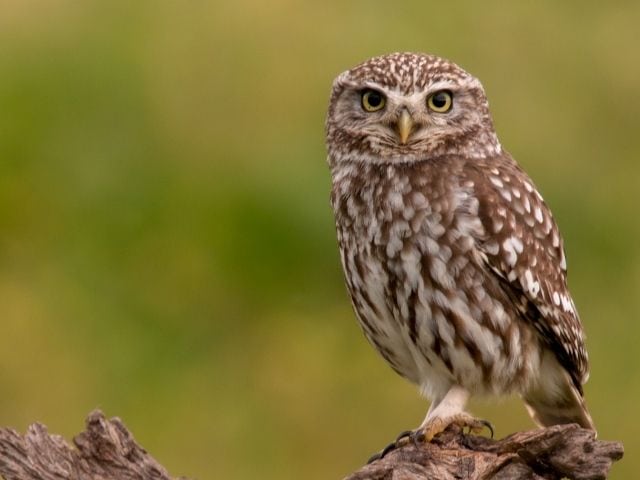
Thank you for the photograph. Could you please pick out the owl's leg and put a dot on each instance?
(450, 411)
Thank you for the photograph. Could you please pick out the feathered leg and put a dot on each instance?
(451, 411)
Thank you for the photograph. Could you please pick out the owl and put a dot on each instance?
(452, 259)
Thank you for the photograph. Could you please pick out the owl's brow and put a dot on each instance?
(440, 84)
(391, 91)
(375, 85)
(443, 85)
(351, 84)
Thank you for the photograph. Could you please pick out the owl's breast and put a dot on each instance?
(390, 233)
(420, 290)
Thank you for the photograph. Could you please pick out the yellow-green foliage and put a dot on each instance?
(166, 244)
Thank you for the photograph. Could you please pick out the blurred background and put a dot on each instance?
(167, 250)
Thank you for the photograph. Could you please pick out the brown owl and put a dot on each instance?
(453, 261)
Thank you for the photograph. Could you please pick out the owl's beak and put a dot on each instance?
(405, 125)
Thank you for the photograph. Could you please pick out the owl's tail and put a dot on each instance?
(556, 400)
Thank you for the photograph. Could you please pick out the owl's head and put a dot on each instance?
(407, 107)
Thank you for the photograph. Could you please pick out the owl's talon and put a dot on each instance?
(401, 440)
(383, 452)
(418, 437)
(487, 425)
(377, 456)
(403, 435)
(374, 457)
(389, 448)
(476, 425)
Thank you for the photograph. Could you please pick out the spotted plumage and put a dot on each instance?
(453, 261)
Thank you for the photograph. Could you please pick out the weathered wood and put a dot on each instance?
(562, 451)
(105, 450)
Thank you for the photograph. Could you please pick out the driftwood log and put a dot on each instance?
(107, 450)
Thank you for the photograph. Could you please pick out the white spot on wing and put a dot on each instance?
(492, 248)
(511, 257)
(517, 244)
(567, 304)
(538, 214)
(563, 262)
(530, 284)
(506, 194)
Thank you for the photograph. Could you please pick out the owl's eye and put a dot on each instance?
(372, 100)
(440, 102)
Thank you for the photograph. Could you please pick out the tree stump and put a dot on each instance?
(561, 451)
(107, 450)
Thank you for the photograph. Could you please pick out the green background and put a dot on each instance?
(167, 251)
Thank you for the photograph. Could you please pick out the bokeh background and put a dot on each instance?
(167, 251)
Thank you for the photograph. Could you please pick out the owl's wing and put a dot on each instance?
(523, 248)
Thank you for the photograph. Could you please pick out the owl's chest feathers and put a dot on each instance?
(395, 242)
(408, 248)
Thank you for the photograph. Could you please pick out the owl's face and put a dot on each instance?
(408, 107)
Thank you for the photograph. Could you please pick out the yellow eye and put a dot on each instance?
(440, 102)
(372, 100)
